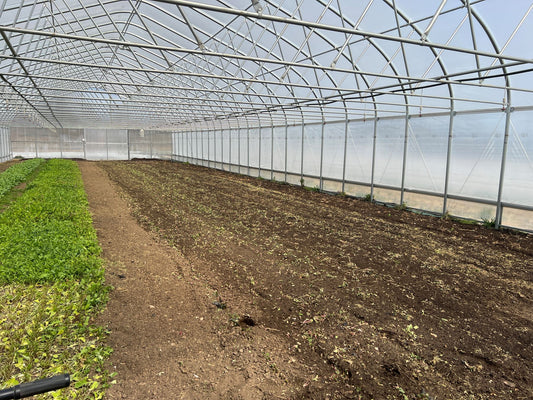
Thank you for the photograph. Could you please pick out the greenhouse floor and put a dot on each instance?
(229, 287)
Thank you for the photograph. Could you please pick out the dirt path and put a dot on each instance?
(6, 164)
(169, 340)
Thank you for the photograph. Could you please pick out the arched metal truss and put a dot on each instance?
(173, 64)
(309, 77)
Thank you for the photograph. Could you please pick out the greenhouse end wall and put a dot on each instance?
(448, 164)
(91, 144)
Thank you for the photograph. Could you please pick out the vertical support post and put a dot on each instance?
(196, 145)
(10, 145)
(302, 157)
(404, 160)
(179, 139)
(230, 162)
(321, 180)
(191, 150)
(272, 155)
(260, 149)
(186, 146)
(222, 149)
(448, 161)
(191, 147)
(239, 148)
(286, 143)
(202, 147)
(248, 148)
(106, 144)
(176, 145)
(373, 172)
(215, 146)
(181, 146)
(499, 207)
(344, 156)
(208, 148)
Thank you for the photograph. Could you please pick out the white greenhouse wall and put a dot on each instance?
(91, 144)
(417, 161)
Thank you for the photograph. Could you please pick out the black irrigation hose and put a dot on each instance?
(36, 387)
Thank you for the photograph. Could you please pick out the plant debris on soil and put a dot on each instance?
(339, 298)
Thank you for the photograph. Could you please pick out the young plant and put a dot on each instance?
(52, 285)
(17, 174)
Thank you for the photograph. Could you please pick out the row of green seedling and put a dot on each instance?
(17, 174)
(52, 285)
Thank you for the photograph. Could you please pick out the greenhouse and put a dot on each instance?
(422, 103)
(246, 117)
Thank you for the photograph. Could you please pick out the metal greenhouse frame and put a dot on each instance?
(422, 103)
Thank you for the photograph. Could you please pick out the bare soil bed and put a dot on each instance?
(6, 164)
(308, 295)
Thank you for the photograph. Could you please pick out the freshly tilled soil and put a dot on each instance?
(240, 288)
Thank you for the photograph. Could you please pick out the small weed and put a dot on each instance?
(234, 318)
(489, 222)
(410, 329)
(402, 393)
(302, 182)
(362, 295)
(274, 367)
(367, 197)
(312, 189)
(401, 207)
